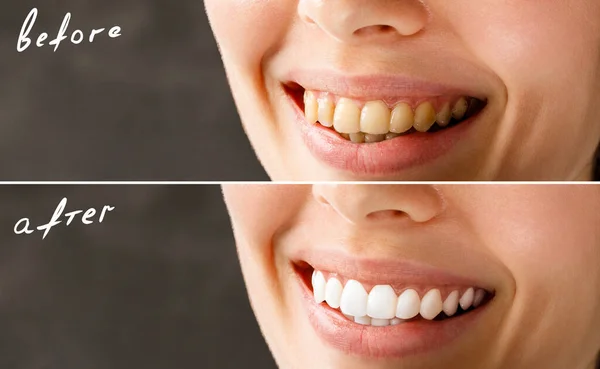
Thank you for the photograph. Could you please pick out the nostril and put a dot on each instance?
(387, 214)
(372, 30)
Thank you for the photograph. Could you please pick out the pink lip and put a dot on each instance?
(384, 158)
(400, 341)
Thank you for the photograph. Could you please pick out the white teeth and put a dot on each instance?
(380, 322)
(326, 111)
(354, 299)
(382, 302)
(408, 305)
(333, 292)
(382, 307)
(347, 117)
(402, 118)
(431, 304)
(364, 320)
(395, 321)
(478, 299)
(467, 299)
(319, 287)
(451, 304)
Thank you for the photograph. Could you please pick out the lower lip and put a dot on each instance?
(395, 342)
(377, 159)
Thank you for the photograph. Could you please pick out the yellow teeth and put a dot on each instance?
(326, 111)
(402, 118)
(374, 121)
(460, 108)
(375, 118)
(347, 117)
(424, 117)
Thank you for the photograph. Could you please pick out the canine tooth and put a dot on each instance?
(326, 110)
(402, 118)
(354, 299)
(380, 322)
(451, 303)
(357, 137)
(369, 138)
(443, 116)
(467, 299)
(478, 299)
(311, 107)
(395, 321)
(333, 292)
(375, 118)
(346, 118)
(408, 305)
(364, 320)
(382, 302)
(424, 117)
(319, 288)
(460, 108)
(391, 135)
(431, 304)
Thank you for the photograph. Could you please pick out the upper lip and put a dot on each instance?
(395, 271)
(379, 86)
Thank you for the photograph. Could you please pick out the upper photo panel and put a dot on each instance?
(116, 90)
(412, 89)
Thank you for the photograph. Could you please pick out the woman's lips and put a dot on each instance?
(382, 158)
(395, 341)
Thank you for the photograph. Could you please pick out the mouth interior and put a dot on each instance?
(305, 271)
(475, 106)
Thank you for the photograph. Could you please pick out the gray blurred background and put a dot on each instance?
(156, 285)
(152, 104)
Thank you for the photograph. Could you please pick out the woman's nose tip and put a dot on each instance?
(348, 20)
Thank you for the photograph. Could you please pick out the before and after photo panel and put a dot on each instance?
(302, 184)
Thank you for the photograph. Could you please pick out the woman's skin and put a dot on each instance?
(536, 247)
(537, 64)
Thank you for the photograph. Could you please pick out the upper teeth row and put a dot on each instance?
(375, 118)
(382, 306)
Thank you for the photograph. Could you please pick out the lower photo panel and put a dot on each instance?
(301, 276)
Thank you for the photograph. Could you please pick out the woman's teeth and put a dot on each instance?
(375, 121)
(382, 306)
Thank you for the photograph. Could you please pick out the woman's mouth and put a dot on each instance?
(351, 125)
(393, 319)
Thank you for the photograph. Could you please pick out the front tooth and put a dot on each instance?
(375, 118)
(467, 299)
(326, 110)
(460, 108)
(357, 137)
(346, 118)
(354, 299)
(431, 304)
(409, 305)
(424, 117)
(451, 303)
(395, 321)
(369, 138)
(382, 302)
(443, 116)
(380, 322)
(311, 107)
(402, 118)
(319, 288)
(333, 292)
(364, 320)
(478, 299)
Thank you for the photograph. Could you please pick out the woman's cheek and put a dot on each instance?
(246, 29)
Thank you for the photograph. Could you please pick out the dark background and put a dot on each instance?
(152, 104)
(156, 285)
